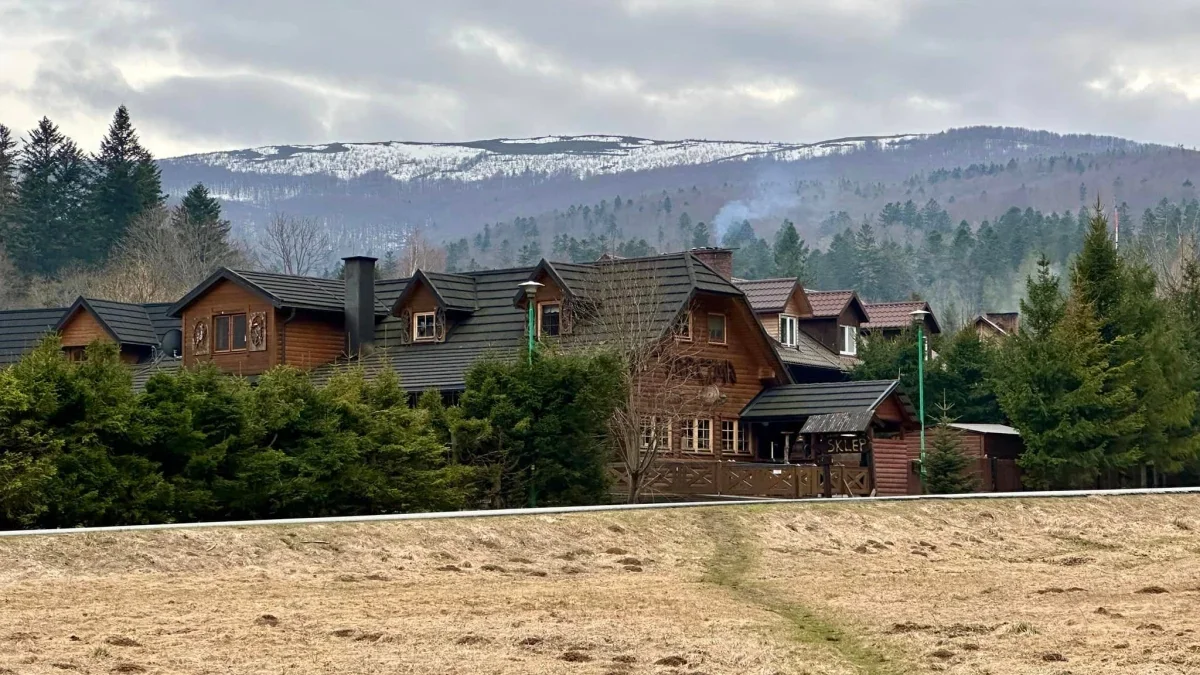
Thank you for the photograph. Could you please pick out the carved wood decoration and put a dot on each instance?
(258, 331)
(200, 336)
(439, 325)
(406, 326)
(566, 318)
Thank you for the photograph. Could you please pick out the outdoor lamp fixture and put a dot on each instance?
(531, 289)
(918, 318)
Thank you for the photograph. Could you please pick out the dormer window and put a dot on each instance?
(424, 326)
(787, 330)
(849, 346)
(683, 328)
(549, 319)
(716, 329)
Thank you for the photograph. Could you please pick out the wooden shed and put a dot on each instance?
(995, 449)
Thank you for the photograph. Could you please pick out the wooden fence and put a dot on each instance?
(747, 479)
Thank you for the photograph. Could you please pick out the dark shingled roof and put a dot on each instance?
(809, 352)
(387, 290)
(160, 319)
(456, 291)
(127, 323)
(143, 372)
(767, 296)
(496, 327)
(897, 315)
(285, 290)
(22, 329)
(806, 400)
(838, 423)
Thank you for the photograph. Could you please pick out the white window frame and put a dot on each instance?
(724, 329)
(787, 338)
(432, 326)
(738, 442)
(848, 341)
(549, 303)
(685, 337)
(657, 428)
(705, 438)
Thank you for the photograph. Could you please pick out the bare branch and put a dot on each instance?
(294, 245)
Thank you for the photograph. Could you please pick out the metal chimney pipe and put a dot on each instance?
(360, 303)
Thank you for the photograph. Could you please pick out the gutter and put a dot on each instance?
(283, 336)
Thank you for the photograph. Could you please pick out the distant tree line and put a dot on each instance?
(1102, 377)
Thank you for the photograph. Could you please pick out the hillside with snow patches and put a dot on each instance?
(368, 193)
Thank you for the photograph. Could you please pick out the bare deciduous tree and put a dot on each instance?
(295, 245)
(419, 254)
(627, 312)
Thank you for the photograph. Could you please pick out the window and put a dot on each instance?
(849, 345)
(423, 326)
(697, 435)
(683, 328)
(787, 330)
(655, 429)
(229, 332)
(704, 436)
(239, 331)
(716, 329)
(549, 318)
(728, 436)
(733, 438)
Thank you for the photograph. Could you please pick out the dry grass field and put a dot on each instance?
(1092, 585)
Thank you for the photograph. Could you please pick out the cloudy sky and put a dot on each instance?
(216, 74)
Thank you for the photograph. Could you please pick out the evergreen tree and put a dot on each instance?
(8, 183)
(127, 183)
(52, 203)
(197, 221)
(790, 254)
(868, 270)
(947, 469)
(700, 236)
(1097, 274)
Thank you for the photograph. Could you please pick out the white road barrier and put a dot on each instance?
(557, 510)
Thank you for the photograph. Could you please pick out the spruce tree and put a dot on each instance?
(700, 236)
(1097, 274)
(8, 183)
(197, 220)
(947, 469)
(127, 183)
(790, 253)
(52, 196)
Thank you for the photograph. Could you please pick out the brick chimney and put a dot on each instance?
(719, 259)
(360, 303)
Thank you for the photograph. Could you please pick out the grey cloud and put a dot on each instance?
(301, 71)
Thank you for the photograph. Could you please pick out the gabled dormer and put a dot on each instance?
(564, 289)
(431, 304)
(780, 304)
(836, 319)
(138, 330)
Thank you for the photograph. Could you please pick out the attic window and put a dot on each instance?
(229, 332)
(716, 329)
(849, 346)
(787, 330)
(549, 319)
(424, 326)
(683, 328)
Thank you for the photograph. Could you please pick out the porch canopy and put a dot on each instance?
(831, 407)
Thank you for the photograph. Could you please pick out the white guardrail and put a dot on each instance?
(557, 510)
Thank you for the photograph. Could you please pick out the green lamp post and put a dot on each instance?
(531, 289)
(918, 318)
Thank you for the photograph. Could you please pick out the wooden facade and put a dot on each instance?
(310, 339)
(797, 306)
(81, 328)
(227, 299)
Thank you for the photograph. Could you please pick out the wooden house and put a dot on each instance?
(783, 308)
(145, 335)
(890, 319)
(994, 325)
(836, 320)
(994, 450)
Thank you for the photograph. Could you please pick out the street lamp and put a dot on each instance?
(531, 289)
(918, 317)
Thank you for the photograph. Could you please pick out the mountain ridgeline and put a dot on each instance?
(507, 201)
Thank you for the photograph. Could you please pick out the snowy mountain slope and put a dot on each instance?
(367, 194)
(578, 156)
